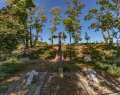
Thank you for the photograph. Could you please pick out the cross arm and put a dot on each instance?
(55, 36)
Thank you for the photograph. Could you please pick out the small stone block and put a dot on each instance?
(103, 57)
(24, 59)
(60, 72)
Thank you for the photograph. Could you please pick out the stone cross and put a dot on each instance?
(92, 75)
(31, 75)
(59, 48)
(60, 57)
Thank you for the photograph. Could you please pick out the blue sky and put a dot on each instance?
(90, 4)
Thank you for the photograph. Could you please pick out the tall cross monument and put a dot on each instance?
(59, 48)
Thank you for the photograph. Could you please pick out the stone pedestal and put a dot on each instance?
(103, 57)
(60, 72)
(58, 57)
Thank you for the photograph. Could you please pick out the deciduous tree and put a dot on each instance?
(56, 19)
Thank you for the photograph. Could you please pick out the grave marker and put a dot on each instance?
(24, 57)
(31, 75)
(59, 47)
(92, 75)
(87, 57)
(60, 70)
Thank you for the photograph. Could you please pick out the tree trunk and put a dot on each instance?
(111, 39)
(23, 43)
(70, 47)
(26, 36)
(52, 39)
(30, 37)
(27, 41)
(35, 38)
(76, 34)
(106, 41)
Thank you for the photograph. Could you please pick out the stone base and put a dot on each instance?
(60, 72)
(58, 57)
(24, 59)
(103, 57)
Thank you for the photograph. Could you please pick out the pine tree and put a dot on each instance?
(73, 13)
(87, 37)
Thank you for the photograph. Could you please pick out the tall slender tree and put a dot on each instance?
(56, 19)
(31, 12)
(73, 13)
(69, 26)
(18, 10)
(102, 22)
(87, 37)
(38, 26)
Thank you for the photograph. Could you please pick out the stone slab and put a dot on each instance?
(14, 86)
(24, 59)
(31, 75)
(85, 84)
(109, 84)
(87, 57)
(40, 85)
(18, 82)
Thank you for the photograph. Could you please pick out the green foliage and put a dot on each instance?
(45, 44)
(56, 20)
(11, 68)
(87, 37)
(102, 84)
(3, 89)
(55, 45)
(72, 14)
(54, 67)
(51, 53)
(112, 67)
(91, 49)
(66, 69)
(71, 52)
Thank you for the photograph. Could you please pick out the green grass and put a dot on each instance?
(101, 84)
(10, 68)
(3, 89)
(66, 69)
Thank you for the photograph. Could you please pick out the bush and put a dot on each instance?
(65, 68)
(10, 68)
(3, 89)
(45, 44)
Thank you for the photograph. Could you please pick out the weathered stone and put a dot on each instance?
(87, 57)
(60, 72)
(85, 84)
(31, 76)
(91, 75)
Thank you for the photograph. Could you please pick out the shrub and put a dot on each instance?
(3, 89)
(45, 44)
(10, 68)
(65, 68)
